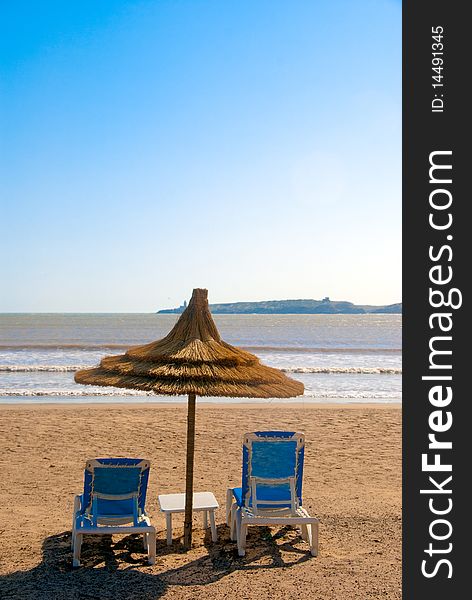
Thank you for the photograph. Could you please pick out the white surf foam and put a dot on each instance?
(343, 370)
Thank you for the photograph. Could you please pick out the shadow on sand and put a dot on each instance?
(119, 571)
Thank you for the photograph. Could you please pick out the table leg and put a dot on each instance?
(214, 535)
(169, 528)
(205, 519)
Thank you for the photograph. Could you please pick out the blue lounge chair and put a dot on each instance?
(113, 503)
(271, 491)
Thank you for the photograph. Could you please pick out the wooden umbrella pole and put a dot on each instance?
(189, 472)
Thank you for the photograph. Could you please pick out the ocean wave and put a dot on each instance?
(346, 370)
(342, 396)
(57, 346)
(73, 393)
(39, 368)
(338, 370)
(323, 349)
(334, 395)
(295, 349)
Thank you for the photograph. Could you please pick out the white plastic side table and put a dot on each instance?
(202, 502)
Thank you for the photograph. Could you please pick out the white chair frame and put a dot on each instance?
(83, 525)
(239, 518)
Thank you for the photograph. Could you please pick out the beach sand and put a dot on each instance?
(352, 482)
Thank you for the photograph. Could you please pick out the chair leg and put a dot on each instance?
(232, 532)
(76, 550)
(145, 541)
(214, 534)
(241, 530)
(242, 540)
(314, 539)
(229, 504)
(169, 528)
(205, 519)
(74, 518)
(304, 532)
(151, 547)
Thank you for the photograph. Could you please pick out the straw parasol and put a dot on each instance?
(192, 360)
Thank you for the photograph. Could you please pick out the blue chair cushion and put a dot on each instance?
(265, 493)
(115, 508)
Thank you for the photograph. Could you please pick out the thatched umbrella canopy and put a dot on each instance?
(192, 360)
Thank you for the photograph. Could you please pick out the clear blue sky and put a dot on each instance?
(252, 147)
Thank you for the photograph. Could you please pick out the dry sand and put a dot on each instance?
(352, 482)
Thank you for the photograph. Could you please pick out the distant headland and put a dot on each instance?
(294, 307)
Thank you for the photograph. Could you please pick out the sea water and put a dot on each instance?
(339, 358)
